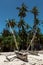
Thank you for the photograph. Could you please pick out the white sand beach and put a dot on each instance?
(32, 59)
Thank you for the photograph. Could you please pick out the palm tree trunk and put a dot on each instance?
(14, 38)
(31, 42)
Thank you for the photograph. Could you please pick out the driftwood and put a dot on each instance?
(33, 52)
(22, 56)
(10, 58)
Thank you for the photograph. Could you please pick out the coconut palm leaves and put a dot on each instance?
(11, 23)
(35, 11)
(22, 10)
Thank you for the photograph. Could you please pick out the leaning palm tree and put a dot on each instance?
(11, 24)
(35, 26)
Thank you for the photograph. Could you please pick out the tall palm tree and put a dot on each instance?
(22, 13)
(35, 12)
(11, 24)
(21, 24)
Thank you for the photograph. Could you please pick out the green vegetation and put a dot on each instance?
(27, 37)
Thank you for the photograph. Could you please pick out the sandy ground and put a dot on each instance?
(32, 59)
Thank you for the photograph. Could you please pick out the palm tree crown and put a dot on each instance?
(35, 10)
(22, 10)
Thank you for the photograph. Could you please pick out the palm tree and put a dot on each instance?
(22, 13)
(35, 26)
(11, 24)
(21, 24)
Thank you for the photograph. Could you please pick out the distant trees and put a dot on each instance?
(5, 33)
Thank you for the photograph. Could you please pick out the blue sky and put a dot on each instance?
(8, 11)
